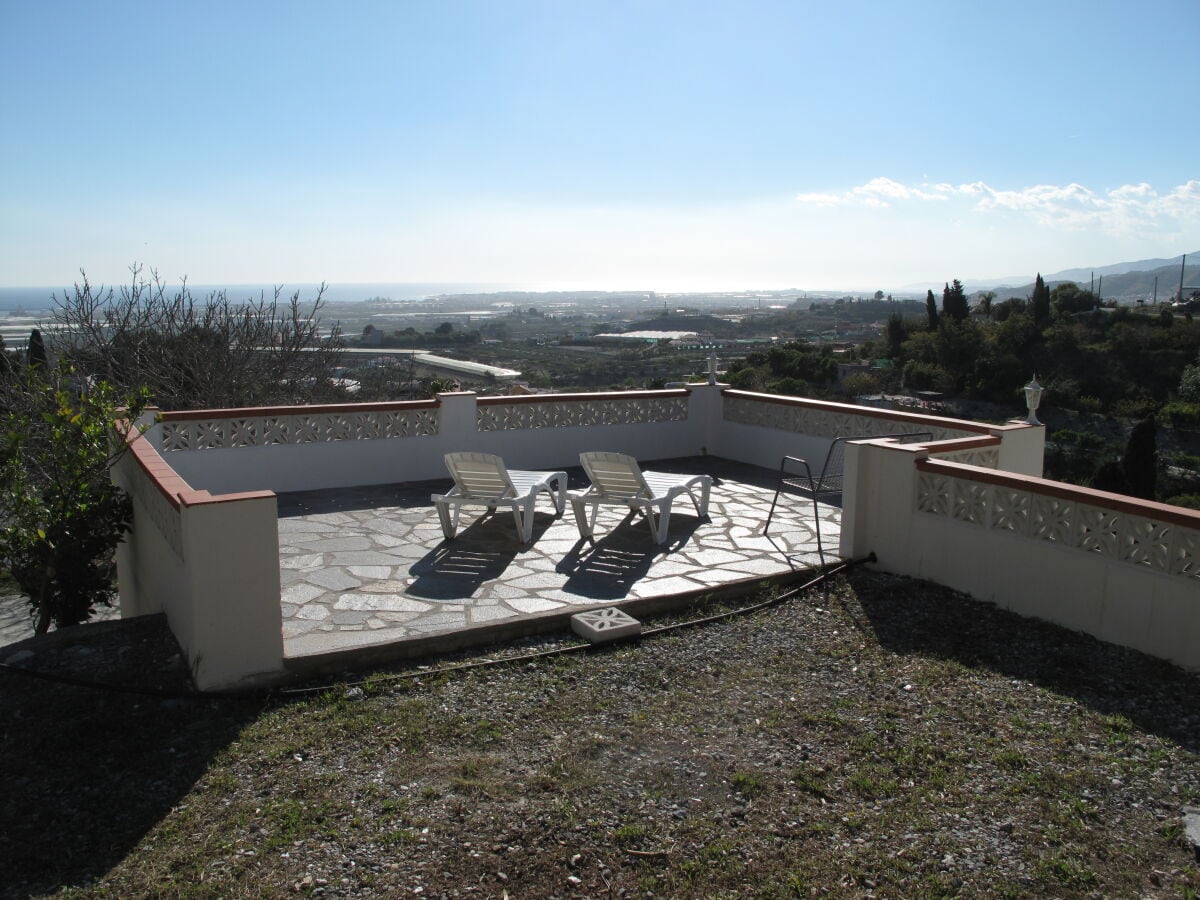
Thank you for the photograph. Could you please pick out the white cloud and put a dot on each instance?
(1123, 210)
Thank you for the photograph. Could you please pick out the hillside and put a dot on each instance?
(1128, 286)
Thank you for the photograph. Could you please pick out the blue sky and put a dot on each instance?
(658, 145)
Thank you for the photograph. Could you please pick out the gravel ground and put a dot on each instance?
(876, 737)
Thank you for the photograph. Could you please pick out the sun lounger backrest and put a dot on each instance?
(479, 474)
(615, 474)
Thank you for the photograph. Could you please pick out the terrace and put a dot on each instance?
(367, 576)
(291, 540)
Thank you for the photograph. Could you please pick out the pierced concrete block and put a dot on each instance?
(608, 624)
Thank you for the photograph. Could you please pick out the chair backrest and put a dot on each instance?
(615, 474)
(830, 479)
(479, 474)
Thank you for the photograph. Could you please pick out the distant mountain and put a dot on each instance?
(1142, 265)
(1128, 286)
(1122, 281)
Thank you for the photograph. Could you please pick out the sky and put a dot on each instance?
(610, 145)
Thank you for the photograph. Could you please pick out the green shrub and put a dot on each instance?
(61, 517)
(1181, 414)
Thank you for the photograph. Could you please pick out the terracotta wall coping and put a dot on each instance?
(169, 482)
(873, 412)
(187, 415)
(954, 445)
(202, 498)
(1149, 509)
(558, 398)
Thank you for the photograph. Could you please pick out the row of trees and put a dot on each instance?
(1092, 359)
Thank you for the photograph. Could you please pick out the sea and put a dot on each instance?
(33, 299)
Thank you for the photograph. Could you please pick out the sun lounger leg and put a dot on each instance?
(449, 526)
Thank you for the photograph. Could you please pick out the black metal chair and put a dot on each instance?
(829, 481)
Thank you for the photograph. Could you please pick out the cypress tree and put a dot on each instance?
(931, 310)
(1040, 301)
(897, 334)
(37, 350)
(1140, 462)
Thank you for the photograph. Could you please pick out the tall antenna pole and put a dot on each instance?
(1100, 289)
(1093, 287)
(1182, 263)
(1156, 290)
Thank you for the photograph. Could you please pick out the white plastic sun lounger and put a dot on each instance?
(618, 480)
(481, 479)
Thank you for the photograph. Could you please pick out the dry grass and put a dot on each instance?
(885, 737)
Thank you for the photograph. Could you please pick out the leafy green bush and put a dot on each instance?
(1181, 414)
(61, 517)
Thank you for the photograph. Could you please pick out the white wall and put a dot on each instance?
(211, 565)
(236, 625)
(344, 463)
(1112, 599)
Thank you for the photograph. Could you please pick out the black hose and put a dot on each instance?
(825, 575)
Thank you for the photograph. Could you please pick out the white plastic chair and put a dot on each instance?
(482, 479)
(618, 480)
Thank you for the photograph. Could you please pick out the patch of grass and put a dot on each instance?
(857, 788)
(748, 784)
(1011, 758)
(811, 781)
(1118, 725)
(1058, 869)
(631, 834)
(828, 718)
(288, 820)
(870, 784)
(398, 838)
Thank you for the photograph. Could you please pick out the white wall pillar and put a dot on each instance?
(457, 426)
(231, 548)
(1022, 448)
(705, 413)
(878, 490)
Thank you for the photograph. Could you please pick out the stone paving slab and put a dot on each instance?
(369, 566)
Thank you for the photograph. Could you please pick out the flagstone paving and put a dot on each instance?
(365, 566)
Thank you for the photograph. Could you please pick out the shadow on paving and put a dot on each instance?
(86, 772)
(456, 569)
(916, 617)
(608, 567)
(402, 495)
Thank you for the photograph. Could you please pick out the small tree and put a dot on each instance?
(931, 310)
(195, 353)
(61, 517)
(1039, 301)
(954, 302)
(36, 352)
(1140, 462)
(896, 334)
(986, 299)
(1189, 384)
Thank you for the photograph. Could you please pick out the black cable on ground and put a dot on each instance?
(823, 576)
